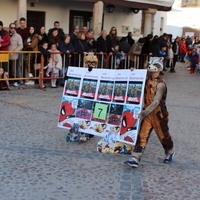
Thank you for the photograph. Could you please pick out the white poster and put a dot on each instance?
(103, 101)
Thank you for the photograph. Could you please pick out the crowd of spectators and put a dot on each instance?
(82, 41)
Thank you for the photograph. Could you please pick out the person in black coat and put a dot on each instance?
(80, 44)
(131, 41)
(81, 47)
(102, 43)
(67, 48)
(146, 45)
(154, 48)
(112, 38)
(73, 34)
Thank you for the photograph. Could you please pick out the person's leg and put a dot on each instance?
(160, 125)
(143, 136)
(49, 69)
(53, 81)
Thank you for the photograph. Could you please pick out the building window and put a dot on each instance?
(190, 3)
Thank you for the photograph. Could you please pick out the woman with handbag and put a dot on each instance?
(30, 44)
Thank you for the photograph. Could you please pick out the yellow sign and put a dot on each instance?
(4, 57)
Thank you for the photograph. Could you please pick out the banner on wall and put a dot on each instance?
(103, 101)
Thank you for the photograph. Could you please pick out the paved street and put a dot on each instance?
(38, 164)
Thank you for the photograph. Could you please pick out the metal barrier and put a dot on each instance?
(25, 67)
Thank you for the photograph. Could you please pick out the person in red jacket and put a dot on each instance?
(183, 49)
(4, 43)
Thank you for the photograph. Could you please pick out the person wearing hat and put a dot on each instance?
(4, 43)
(154, 115)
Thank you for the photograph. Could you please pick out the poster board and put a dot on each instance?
(103, 101)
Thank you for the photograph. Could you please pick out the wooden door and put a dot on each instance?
(36, 19)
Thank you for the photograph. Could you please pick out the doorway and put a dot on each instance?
(35, 18)
(80, 18)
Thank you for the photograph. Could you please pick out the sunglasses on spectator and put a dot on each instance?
(113, 29)
(12, 27)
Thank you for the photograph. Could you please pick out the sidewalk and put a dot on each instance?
(38, 164)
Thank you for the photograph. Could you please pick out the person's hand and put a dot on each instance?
(132, 68)
(141, 115)
(110, 54)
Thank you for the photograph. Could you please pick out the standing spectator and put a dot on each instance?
(22, 30)
(163, 53)
(154, 47)
(42, 36)
(43, 48)
(146, 46)
(182, 49)
(53, 37)
(124, 45)
(131, 41)
(188, 41)
(196, 41)
(67, 48)
(80, 44)
(136, 49)
(73, 34)
(103, 44)
(170, 53)
(60, 30)
(55, 64)
(4, 43)
(84, 29)
(16, 44)
(175, 49)
(112, 37)
(163, 40)
(30, 44)
(81, 47)
(89, 36)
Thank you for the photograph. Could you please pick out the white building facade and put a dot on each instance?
(93, 14)
(184, 18)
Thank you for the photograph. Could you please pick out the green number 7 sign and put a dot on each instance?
(100, 111)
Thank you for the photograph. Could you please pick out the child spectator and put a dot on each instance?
(4, 85)
(119, 55)
(163, 53)
(194, 60)
(183, 49)
(55, 64)
(43, 48)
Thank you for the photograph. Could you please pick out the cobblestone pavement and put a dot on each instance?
(38, 164)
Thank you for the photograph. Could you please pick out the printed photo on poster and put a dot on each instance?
(105, 91)
(88, 89)
(115, 114)
(134, 92)
(72, 86)
(129, 123)
(120, 91)
(67, 112)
